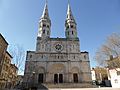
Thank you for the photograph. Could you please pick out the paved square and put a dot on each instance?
(88, 89)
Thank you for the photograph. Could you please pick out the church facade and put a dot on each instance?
(57, 60)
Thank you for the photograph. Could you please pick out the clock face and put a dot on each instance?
(58, 47)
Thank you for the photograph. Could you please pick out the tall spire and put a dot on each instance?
(45, 14)
(44, 23)
(69, 12)
(70, 24)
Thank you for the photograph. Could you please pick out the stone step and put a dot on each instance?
(46, 86)
(70, 85)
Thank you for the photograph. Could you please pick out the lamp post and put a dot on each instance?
(33, 77)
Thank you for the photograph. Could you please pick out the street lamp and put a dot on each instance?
(33, 77)
(33, 72)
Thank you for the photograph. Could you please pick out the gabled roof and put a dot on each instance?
(3, 38)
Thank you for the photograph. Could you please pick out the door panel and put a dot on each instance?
(75, 78)
(60, 78)
(55, 78)
(40, 78)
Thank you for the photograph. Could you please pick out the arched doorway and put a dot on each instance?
(75, 73)
(41, 75)
(75, 78)
(40, 78)
(58, 78)
(55, 78)
(57, 70)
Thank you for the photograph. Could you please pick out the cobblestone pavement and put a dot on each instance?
(89, 89)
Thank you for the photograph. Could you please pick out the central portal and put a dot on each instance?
(58, 78)
(75, 78)
(40, 78)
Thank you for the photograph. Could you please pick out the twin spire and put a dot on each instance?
(45, 14)
(45, 24)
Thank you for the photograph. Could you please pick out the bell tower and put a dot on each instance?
(70, 24)
(44, 24)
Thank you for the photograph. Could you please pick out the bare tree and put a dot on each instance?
(18, 55)
(110, 50)
(101, 73)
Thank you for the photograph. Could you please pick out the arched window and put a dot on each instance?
(42, 56)
(71, 26)
(67, 27)
(47, 26)
(74, 57)
(58, 57)
(43, 31)
(72, 32)
(44, 25)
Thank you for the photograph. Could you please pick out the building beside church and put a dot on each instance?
(3, 49)
(8, 71)
(114, 71)
(57, 60)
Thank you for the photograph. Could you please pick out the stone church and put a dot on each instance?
(57, 60)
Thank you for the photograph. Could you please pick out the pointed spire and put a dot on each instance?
(44, 23)
(69, 12)
(70, 24)
(45, 14)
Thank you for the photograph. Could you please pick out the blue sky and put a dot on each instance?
(96, 19)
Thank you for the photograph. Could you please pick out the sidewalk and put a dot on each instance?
(88, 89)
